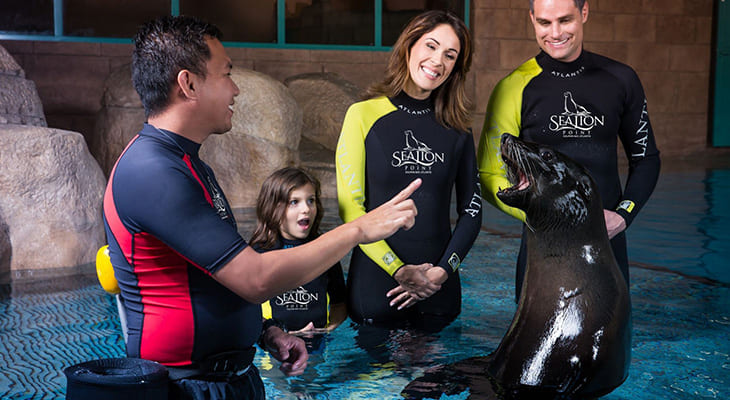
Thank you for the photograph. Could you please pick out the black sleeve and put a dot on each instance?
(637, 138)
(468, 208)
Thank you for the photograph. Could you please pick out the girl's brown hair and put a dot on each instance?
(452, 105)
(274, 198)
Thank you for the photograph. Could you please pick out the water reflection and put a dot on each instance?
(683, 226)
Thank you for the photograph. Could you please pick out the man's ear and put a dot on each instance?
(187, 83)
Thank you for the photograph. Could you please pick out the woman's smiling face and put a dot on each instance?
(431, 60)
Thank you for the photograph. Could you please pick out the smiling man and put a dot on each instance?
(190, 284)
(579, 103)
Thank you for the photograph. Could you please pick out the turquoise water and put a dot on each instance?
(680, 286)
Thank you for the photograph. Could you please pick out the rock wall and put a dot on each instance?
(19, 101)
(52, 196)
(324, 99)
(52, 188)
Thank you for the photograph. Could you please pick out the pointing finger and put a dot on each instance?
(408, 191)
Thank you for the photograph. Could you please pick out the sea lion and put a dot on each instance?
(570, 337)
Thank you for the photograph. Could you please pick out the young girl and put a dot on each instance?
(289, 212)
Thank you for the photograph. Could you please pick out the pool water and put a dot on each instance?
(680, 287)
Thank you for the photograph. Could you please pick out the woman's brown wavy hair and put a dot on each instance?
(452, 105)
(272, 202)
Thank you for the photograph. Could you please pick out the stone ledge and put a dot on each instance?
(47, 280)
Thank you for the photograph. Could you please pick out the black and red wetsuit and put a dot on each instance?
(169, 228)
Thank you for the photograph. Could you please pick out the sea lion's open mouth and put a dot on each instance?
(516, 177)
(515, 171)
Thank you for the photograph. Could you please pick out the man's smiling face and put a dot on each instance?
(559, 28)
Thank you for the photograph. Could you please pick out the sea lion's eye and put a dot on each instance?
(546, 155)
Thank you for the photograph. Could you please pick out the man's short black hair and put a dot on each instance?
(578, 4)
(162, 48)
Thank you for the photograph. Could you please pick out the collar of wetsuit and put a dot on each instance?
(564, 68)
(187, 145)
(414, 106)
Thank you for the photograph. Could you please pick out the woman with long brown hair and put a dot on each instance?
(413, 124)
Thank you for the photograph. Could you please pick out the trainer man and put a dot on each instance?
(191, 286)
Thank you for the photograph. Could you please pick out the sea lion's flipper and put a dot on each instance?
(452, 379)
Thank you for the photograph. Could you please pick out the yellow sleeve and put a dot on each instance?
(503, 116)
(350, 170)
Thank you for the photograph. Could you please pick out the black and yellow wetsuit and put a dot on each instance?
(311, 302)
(579, 108)
(384, 145)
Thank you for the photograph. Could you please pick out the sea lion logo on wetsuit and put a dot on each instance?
(575, 121)
(297, 299)
(217, 199)
(417, 157)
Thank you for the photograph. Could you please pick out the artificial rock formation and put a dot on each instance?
(52, 195)
(265, 135)
(19, 101)
(120, 118)
(50, 208)
(324, 99)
